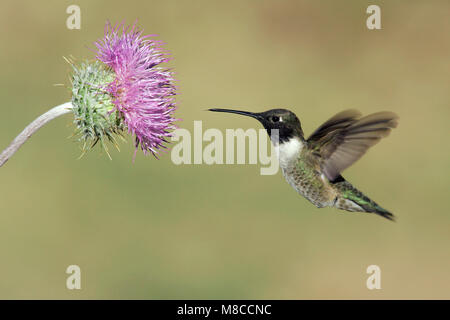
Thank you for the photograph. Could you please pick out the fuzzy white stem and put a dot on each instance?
(32, 128)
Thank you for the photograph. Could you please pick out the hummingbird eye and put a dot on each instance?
(275, 118)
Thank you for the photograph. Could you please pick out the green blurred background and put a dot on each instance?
(151, 229)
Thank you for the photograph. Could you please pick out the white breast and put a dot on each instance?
(289, 151)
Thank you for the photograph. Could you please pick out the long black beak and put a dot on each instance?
(244, 113)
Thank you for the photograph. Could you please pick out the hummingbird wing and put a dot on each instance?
(337, 122)
(344, 138)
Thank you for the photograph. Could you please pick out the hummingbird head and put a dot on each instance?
(285, 121)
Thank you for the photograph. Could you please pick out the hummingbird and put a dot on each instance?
(313, 166)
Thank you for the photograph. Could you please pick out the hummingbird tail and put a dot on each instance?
(351, 199)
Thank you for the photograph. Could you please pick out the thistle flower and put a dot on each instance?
(142, 91)
(125, 89)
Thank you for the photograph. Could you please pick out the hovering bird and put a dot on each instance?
(313, 166)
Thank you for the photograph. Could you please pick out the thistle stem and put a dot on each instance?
(32, 128)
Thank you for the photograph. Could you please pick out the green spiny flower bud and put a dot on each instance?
(96, 117)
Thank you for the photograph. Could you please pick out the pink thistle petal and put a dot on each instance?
(143, 91)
